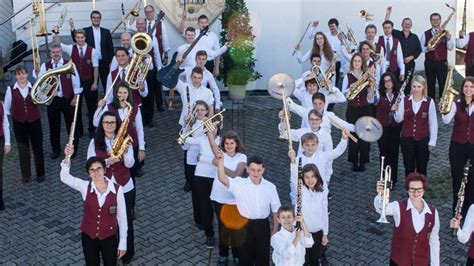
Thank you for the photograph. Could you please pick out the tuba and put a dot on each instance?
(42, 90)
(363, 82)
(210, 124)
(141, 60)
(440, 33)
(449, 94)
(122, 139)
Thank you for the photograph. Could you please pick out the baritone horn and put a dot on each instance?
(387, 184)
(141, 60)
(44, 87)
(208, 125)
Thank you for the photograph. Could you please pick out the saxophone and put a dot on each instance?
(299, 196)
(123, 139)
(440, 33)
(363, 82)
(461, 192)
(330, 72)
(449, 93)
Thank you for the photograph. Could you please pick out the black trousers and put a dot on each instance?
(24, 134)
(313, 253)
(104, 69)
(395, 73)
(93, 248)
(389, 146)
(459, 154)
(470, 261)
(409, 67)
(224, 234)
(203, 187)
(91, 97)
(436, 70)
(469, 71)
(58, 106)
(256, 249)
(155, 94)
(415, 154)
(2, 143)
(358, 152)
(189, 175)
(129, 205)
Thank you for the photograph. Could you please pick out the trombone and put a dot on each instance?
(34, 45)
(208, 125)
(385, 176)
(61, 19)
(134, 12)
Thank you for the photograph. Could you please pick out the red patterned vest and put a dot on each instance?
(23, 109)
(470, 252)
(66, 82)
(383, 111)
(159, 35)
(469, 58)
(361, 99)
(463, 129)
(393, 52)
(2, 112)
(409, 247)
(100, 222)
(416, 125)
(131, 129)
(118, 170)
(441, 51)
(135, 93)
(84, 65)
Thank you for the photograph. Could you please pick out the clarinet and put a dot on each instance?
(299, 196)
(401, 92)
(461, 192)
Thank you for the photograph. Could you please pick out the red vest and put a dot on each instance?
(100, 222)
(2, 112)
(361, 99)
(118, 170)
(470, 252)
(463, 126)
(378, 48)
(23, 109)
(441, 51)
(84, 65)
(393, 52)
(135, 93)
(383, 111)
(159, 36)
(66, 81)
(469, 58)
(131, 129)
(416, 125)
(409, 247)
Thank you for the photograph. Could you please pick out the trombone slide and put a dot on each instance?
(302, 36)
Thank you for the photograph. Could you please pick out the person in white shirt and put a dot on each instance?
(415, 239)
(222, 200)
(465, 233)
(320, 46)
(99, 193)
(290, 243)
(314, 207)
(315, 60)
(207, 78)
(255, 198)
(419, 127)
(5, 142)
(191, 92)
(467, 42)
(311, 86)
(393, 51)
(125, 42)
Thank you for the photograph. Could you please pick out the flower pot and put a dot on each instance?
(236, 92)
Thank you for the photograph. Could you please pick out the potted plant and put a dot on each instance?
(238, 64)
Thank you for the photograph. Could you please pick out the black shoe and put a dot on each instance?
(40, 179)
(187, 187)
(355, 167)
(362, 168)
(54, 155)
(139, 172)
(160, 109)
(26, 180)
(210, 242)
(2, 205)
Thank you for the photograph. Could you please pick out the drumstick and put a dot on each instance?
(302, 36)
(341, 128)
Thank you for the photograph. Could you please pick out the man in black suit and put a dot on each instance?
(100, 39)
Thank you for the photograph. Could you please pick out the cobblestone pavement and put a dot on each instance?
(41, 222)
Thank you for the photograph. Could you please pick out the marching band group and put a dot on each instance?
(375, 77)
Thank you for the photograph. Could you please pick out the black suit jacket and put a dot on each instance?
(106, 45)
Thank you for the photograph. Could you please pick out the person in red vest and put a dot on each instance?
(393, 51)
(436, 64)
(5, 142)
(87, 63)
(104, 211)
(465, 233)
(419, 127)
(461, 148)
(63, 102)
(26, 120)
(117, 169)
(389, 143)
(415, 237)
(468, 43)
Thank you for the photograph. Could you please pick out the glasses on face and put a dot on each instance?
(109, 123)
(96, 170)
(414, 190)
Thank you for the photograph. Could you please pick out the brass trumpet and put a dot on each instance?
(366, 15)
(385, 177)
(207, 126)
(42, 90)
(141, 60)
(134, 12)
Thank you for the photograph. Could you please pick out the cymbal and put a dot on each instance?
(279, 84)
(368, 129)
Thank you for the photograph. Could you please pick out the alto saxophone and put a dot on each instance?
(363, 82)
(122, 139)
(461, 192)
(449, 94)
(299, 196)
(440, 33)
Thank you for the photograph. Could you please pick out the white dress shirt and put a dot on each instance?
(254, 201)
(195, 94)
(287, 254)
(67, 48)
(462, 42)
(193, 149)
(314, 204)
(399, 54)
(306, 98)
(82, 185)
(325, 62)
(432, 120)
(464, 233)
(207, 80)
(128, 160)
(219, 192)
(76, 82)
(123, 112)
(96, 31)
(418, 221)
(7, 103)
(449, 44)
(209, 43)
(114, 64)
(447, 118)
(205, 167)
(110, 81)
(190, 60)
